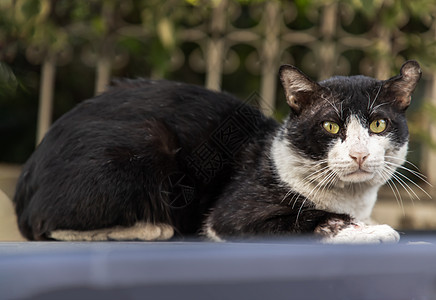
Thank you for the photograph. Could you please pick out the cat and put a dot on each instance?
(155, 160)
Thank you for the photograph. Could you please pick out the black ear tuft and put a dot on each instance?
(298, 87)
(403, 85)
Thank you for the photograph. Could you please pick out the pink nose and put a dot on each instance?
(359, 157)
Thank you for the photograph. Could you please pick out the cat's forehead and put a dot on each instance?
(352, 86)
(353, 94)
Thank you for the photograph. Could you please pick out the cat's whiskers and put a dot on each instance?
(373, 110)
(318, 163)
(313, 177)
(398, 176)
(318, 167)
(415, 172)
(390, 174)
(386, 176)
(369, 100)
(323, 179)
(299, 211)
(404, 185)
(320, 185)
(296, 197)
(371, 106)
(310, 178)
(319, 188)
(333, 181)
(334, 107)
(402, 160)
(317, 181)
(287, 195)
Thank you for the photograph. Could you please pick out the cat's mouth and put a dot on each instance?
(358, 176)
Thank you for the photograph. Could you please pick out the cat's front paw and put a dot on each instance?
(360, 233)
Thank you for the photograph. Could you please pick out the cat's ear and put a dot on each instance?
(403, 85)
(299, 88)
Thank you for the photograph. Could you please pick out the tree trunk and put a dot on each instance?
(215, 50)
(270, 57)
(46, 90)
(103, 74)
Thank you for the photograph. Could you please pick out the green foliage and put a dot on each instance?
(148, 32)
(8, 81)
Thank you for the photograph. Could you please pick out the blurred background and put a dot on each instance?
(56, 53)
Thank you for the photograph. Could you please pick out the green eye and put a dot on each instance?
(331, 127)
(378, 126)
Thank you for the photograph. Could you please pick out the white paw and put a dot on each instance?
(211, 234)
(140, 231)
(361, 233)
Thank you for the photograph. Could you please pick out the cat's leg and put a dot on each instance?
(336, 231)
(329, 227)
(140, 231)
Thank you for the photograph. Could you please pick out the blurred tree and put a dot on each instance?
(37, 27)
(78, 45)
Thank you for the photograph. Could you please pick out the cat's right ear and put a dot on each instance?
(299, 88)
(402, 86)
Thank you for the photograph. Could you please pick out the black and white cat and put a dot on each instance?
(149, 160)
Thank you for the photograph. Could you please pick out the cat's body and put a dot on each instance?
(148, 159)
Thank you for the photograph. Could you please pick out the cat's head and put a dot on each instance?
(347, 130)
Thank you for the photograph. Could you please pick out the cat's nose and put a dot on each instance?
(359, 157)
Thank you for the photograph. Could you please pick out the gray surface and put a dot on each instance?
(297, 269)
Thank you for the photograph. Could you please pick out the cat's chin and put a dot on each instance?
(358, 176)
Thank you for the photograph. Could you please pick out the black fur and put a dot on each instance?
(107, 162)
(166, 152)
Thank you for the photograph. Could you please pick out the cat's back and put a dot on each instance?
(136, 107)
(131, 116)
(117, 147)
(142, 98)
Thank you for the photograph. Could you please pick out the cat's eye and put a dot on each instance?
(331, 127)
(378, 126)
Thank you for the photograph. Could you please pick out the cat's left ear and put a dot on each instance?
(403, 85)
(299, 89)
